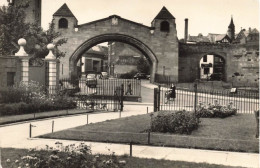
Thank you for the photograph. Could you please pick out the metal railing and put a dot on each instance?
(244, 102)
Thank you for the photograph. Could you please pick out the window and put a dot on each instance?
(205, 58)
(63, 23)
(206, 71)
(165, 27)
(10, 78)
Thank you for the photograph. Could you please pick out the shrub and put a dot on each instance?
(70, 156)
(22, 93)
(55, 103)
(215, 110)
(182, 122)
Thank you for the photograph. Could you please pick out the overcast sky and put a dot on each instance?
(205, 16)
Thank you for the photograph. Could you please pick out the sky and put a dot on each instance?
(205, 16)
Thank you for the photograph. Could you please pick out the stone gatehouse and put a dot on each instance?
(179, 59)
(159, 43)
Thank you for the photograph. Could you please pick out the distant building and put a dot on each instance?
(123, 58)
(243, 37)
(94, 60)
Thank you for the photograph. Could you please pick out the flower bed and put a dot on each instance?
(215, 110)
(61, 156)
(182, 122)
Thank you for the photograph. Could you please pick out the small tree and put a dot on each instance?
(13, 27)
(143, 65)
(38, 39)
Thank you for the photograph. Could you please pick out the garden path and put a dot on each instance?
(17, 136)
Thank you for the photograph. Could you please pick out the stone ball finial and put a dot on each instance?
(22, 42)
(50, 46)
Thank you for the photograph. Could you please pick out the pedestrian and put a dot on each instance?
(171, 94)
(129, 88)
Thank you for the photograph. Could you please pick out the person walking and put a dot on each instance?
(129, 88)
(171, 94)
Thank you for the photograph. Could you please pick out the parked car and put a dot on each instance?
(104, 75)
(91, 80)
(140, 76)
(148, 77)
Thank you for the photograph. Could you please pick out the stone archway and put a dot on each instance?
(144, 49)
(218, 66)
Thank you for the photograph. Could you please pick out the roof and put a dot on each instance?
(245, 33)
(64, 11)
(113, 16)
(164, 14)
(255, 31)
(199, 39)
(221, 37)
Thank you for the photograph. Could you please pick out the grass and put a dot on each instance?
(131, 162)
(40, 115)
(236, 133)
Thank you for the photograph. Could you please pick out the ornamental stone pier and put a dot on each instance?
(23, 57)
(51, 76)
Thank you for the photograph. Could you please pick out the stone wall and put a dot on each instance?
(241, 61)
(9, 64)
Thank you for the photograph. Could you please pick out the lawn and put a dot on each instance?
(39, 115)
(236, 133)
(131, 162)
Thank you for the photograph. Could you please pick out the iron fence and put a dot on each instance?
(188, 99)
(98, 94)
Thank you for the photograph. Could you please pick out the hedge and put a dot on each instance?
(182, 122)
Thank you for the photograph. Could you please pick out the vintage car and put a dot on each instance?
(91, 80)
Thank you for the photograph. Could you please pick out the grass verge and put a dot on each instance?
(236, 133)
(131, 162)
(40, 115)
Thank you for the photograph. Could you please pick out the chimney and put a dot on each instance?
(186, 31)
(249, 29)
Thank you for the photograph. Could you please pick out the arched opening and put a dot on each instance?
(63, 23)
(212, 68)
(165, 27)
(110, 38)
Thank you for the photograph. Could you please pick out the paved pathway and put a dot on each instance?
(17, 136)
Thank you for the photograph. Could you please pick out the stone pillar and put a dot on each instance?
(23, 57)
(51, 76)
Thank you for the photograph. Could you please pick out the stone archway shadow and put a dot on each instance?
(143, 48)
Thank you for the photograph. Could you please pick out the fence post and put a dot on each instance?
(146, 110)
(149, 135)
(131, 149)
(52, 127)
(122, 97)
(195, 99)
(159, 98)
(155, 99)
(87, 118)
(30, 130)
